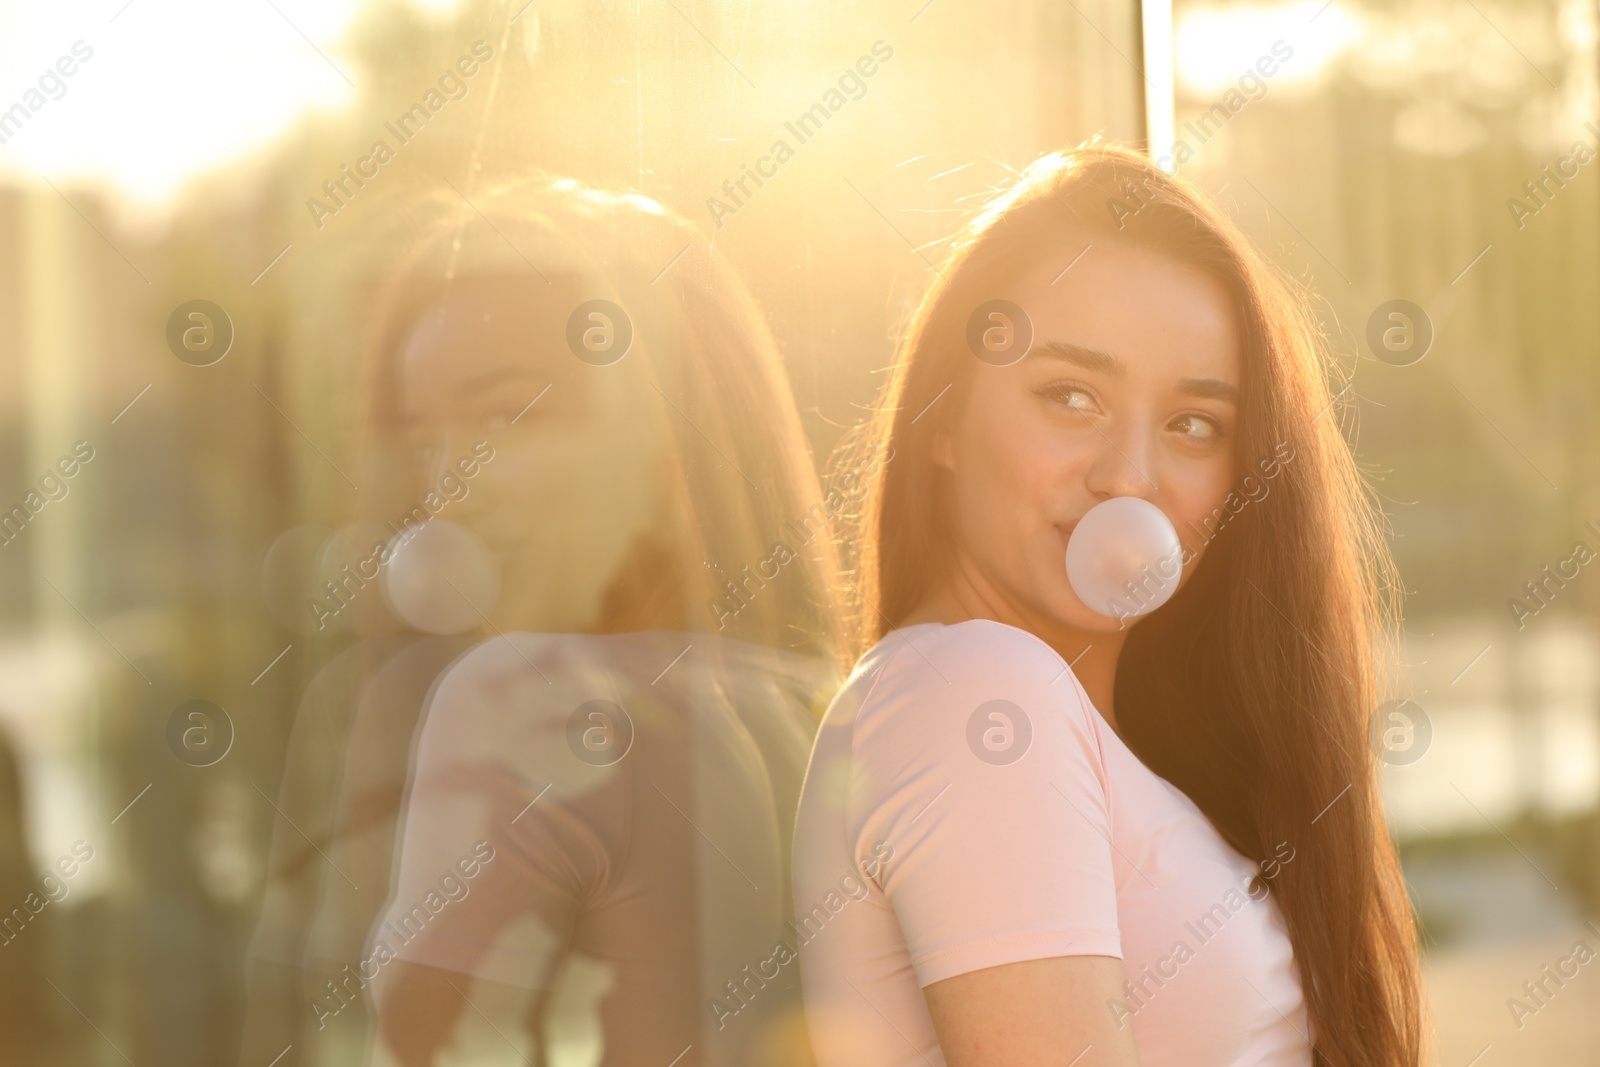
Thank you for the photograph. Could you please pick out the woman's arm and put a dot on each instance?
(1037, 1013)
(985, 777)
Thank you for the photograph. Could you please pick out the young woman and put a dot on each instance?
(1031, 832)
(548, 793)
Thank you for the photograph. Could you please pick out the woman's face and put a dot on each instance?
(1129, 389)
(567, 486)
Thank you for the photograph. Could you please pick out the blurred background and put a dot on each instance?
(161, 152)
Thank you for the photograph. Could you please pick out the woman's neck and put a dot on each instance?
(1091, 654)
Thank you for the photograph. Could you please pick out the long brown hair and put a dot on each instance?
(736, 460)
(1252, 689)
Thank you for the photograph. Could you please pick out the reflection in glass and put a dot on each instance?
(542, 804)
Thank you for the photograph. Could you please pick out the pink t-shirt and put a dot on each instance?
(966, 807)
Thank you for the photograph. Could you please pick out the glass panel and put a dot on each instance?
(402, 399)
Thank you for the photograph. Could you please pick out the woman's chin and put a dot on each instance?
(1070, 611)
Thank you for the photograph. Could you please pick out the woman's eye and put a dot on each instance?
(1069, 395)
(1200, 427)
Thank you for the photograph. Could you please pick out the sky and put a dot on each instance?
(171, 88)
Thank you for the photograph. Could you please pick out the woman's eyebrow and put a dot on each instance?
(1083, 356)
(1097, 360)
(481, 383)
(1210, 388)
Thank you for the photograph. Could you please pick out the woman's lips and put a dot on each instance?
(1065, 529)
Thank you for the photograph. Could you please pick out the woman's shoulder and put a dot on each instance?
(976, 651)
(919, 676)
(978, 706)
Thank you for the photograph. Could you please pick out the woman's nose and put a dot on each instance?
(438, 454)
(1121, 465)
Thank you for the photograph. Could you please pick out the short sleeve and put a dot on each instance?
(978, 778)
